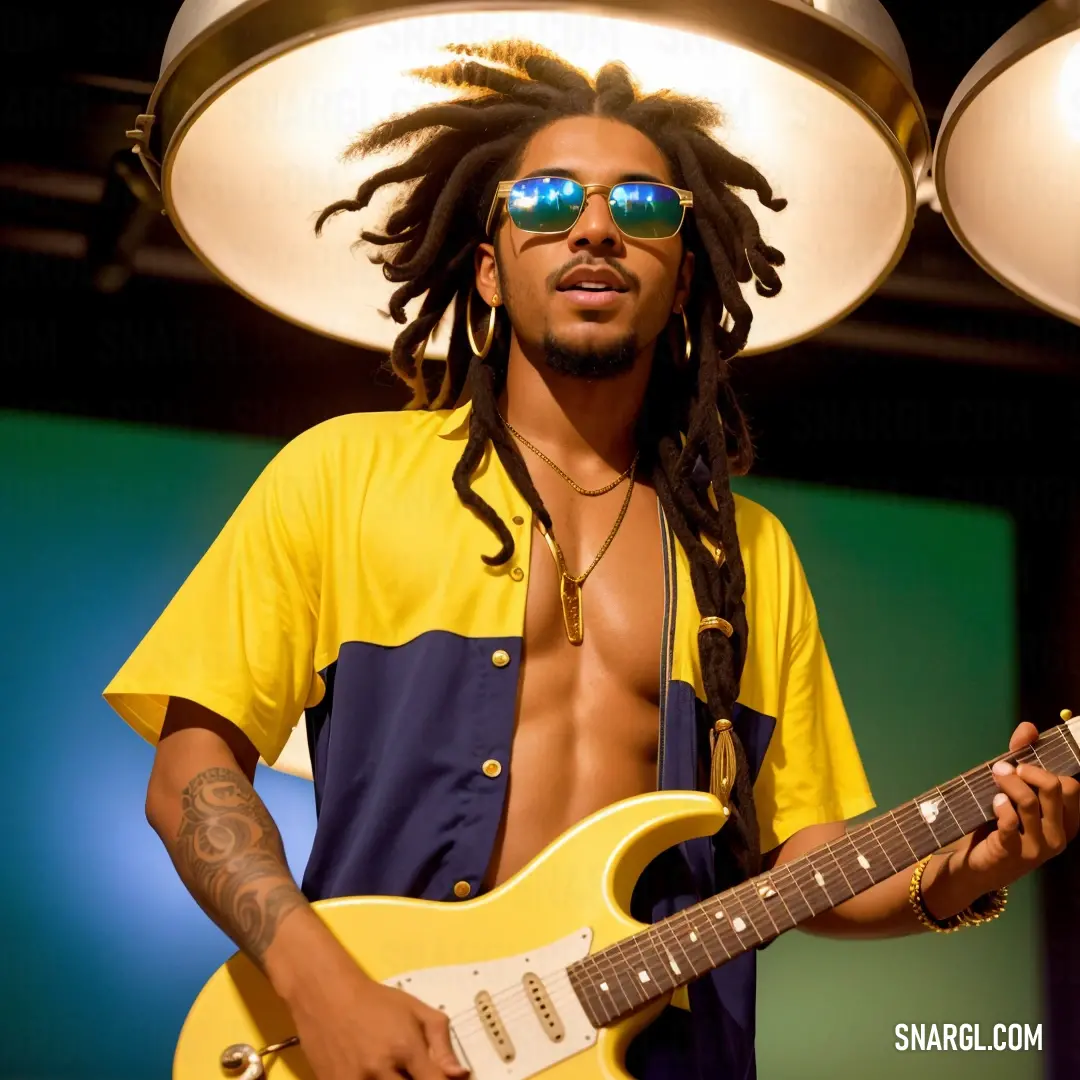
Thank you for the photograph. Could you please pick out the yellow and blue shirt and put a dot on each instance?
(348, 584)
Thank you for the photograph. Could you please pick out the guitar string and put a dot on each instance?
(907, 813)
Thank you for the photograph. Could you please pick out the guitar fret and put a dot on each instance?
(1070, 745)
(618, 976)
(855, 864)
(979, 808)
(811, 892)
(872, 832)
(821, 879)
(704, 929)
(693, 948)
(745, 897)
(764, 895)
(696, 967)
(715, 917)
(605, 985)
(615, 982)
(948, 806)
(917, 822)
(847, 881)
(582, 975)
(758, 914)
(894, 822)
(638, 966)
(738, 923)
(789, 869)
(783, 900)
(724, 927)
(660, 929)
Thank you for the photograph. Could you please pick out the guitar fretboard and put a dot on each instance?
(620, 979)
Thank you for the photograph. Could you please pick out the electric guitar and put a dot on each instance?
(548, 971)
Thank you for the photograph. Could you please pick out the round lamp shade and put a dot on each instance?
(257, 102)
(1007, 160)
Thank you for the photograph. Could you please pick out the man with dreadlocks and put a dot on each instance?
(638, 627)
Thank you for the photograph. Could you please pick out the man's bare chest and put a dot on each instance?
(621, 601)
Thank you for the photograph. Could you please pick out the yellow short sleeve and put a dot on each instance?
(811, 773)
(239, 636)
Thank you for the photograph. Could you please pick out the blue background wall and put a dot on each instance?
(103, 948)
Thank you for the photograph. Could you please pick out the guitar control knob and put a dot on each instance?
(243, 1062)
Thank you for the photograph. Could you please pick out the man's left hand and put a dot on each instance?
(1037, 814)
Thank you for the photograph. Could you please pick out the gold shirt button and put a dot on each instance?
(491, 768)
(517, 573)
(462, 889)
(500, 658)
(518, 519)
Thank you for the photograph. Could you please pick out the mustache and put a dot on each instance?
(625, 272)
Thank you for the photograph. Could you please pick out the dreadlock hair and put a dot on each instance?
(460, 150)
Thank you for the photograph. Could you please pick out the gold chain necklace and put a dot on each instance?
(543, 457)
(570, 585)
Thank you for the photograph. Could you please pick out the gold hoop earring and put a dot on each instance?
(686, 335)
(478, 352)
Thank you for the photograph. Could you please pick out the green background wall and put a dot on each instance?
(103, 949)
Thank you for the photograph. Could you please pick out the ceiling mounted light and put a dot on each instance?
(1007, 160)
(257, 101)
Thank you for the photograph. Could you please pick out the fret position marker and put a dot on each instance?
(643, 976)
(719, 915)
(739, 925)
(929, 811)
(864, 862)
(603, 986)
(766, 891)
(819, 879)
(693, 936)
(671, 960)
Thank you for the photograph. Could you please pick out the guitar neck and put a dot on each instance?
(620, 979)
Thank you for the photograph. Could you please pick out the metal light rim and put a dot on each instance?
(240, 42)
(1038, 28)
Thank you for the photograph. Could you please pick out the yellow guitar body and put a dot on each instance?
(574, 894)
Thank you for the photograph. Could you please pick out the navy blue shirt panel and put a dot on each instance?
(404, 808)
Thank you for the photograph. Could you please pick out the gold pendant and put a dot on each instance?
(570, 593)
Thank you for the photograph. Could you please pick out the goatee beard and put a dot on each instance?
(591, 363)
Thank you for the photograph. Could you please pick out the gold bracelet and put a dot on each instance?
(984, 909)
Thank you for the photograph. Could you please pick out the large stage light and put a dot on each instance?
(1007, 159)
(256, 103)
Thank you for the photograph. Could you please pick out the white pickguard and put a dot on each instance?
(453, 990)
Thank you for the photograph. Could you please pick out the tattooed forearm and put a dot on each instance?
(230, 854)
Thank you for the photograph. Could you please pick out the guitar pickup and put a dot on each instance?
(543, 1007)
(494, 1026)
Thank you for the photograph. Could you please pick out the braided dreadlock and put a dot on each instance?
(460, 151)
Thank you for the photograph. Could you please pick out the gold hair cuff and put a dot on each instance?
(714, 622)
(722, 773)
(983, 909)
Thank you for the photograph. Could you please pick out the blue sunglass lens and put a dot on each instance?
(646, 211)
(545, 204)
